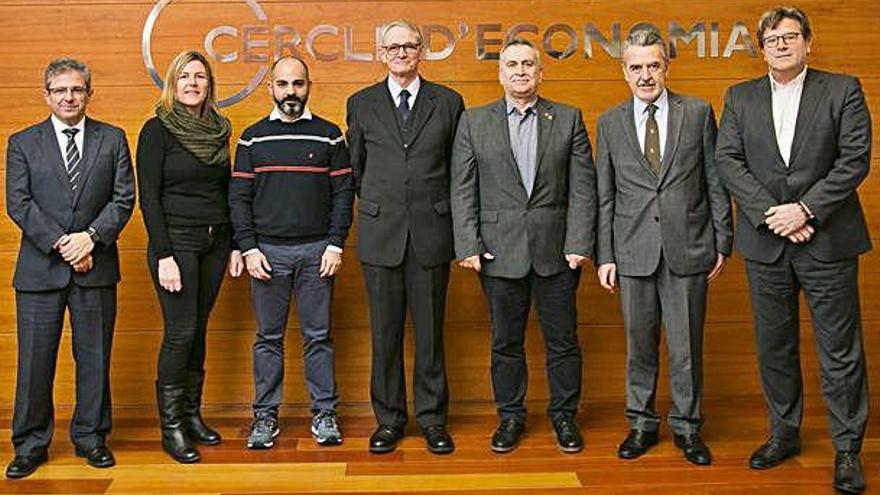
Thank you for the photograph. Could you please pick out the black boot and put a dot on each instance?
(192, 416)
(174, 439)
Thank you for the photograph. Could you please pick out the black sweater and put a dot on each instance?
(292, 184)
(176, 188)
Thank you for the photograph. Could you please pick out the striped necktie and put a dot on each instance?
(72, 158)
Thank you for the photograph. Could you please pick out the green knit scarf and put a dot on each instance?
(207, 137)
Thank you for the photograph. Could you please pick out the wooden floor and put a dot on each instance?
(733, 428)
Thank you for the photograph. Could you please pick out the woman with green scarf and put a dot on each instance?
(183, 174)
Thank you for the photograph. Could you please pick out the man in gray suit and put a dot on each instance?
(400, 133)
(665, 230)
(69, 188)
(793, 148)
(523, 209)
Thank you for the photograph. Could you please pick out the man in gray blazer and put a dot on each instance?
(400, 135)
(665, 231)
(69, 188)
(523, 209)
(793, 148)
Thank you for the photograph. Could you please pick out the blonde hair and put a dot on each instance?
(169, 90)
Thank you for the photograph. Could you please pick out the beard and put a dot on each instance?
(292, 106)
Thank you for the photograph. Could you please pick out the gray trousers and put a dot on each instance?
(679, 302)
(294, 269)
(40, 317)
(832, 293)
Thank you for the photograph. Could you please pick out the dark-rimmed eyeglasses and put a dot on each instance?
(76, 91)
(785, 38)
(408, 48)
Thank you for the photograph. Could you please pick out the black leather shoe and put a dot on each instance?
(24, 465)
(848, 476)
(385, 439)
(439, 440)
(636, 443)
(774, 451)
(99, 457)
(568, 435)
(507, 435)
(694, 449)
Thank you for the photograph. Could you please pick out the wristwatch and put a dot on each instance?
(93, 234)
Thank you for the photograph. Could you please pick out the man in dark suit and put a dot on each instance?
(69, 187)
(524, 207)
(665, 230)
(792, 149)
(400, 135)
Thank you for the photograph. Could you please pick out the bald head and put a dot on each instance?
(289, 86)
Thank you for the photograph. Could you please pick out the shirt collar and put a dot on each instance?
(797, 81)
(276, 115)
(661, 102)
(395, 88)
(60, 126)
(511, 106)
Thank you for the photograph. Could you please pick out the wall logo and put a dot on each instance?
(257, 44)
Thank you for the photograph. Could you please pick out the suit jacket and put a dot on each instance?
(830, 156)
(40, 201)
(490, 209)
(402, 173)
(683, 214)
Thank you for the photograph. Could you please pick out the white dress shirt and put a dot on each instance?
(413, 89)
(786, 102)
(640, 114)
(62, 138)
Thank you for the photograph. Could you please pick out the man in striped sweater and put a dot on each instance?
(291, 199)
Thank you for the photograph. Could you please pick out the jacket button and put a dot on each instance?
(656, 219)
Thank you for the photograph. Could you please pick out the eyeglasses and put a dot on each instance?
(76, 91)
(408, 48)
(786, 38)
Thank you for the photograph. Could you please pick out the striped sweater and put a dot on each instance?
(291, 183)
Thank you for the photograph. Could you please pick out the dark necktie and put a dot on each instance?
(652, 140)
(403, 106)
(72, 158)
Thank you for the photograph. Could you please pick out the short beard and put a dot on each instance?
(291, 106)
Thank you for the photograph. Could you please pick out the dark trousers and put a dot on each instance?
(679, 301)
(294, 269)
(201, 254)
(390, 291)
(40, 317)
(555, 301)
(832, 293)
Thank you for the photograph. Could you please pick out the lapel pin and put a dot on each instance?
(548, 116)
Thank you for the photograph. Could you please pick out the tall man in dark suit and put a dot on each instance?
(400, 135)
(665, 230)
(524, 207)
(70, 189)
(792, 149)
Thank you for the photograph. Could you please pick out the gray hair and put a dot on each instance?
(63, 65)
(403, 23)
(773, 17)
(521, 42)
(644, 34)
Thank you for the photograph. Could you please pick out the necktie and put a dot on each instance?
(72, 158)
(403, 106)
(652, 140)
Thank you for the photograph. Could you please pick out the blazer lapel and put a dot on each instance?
(91, 144)
(814, 88)
(546, 117)
(673, 132)
(627, 114)
(506, 155)
(385, 110)
(768, 130)
(53, 158)
(422, 109)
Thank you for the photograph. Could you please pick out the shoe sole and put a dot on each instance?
(382, 450)
(848, 490)
(267, 445)
(100, 465)
(441, 451)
